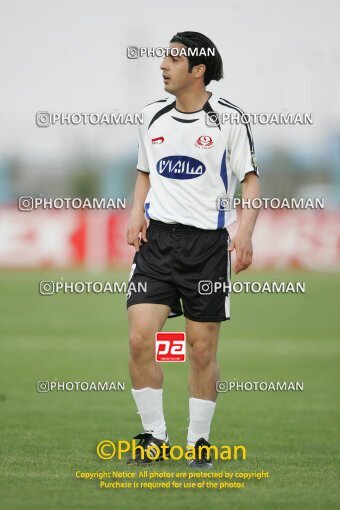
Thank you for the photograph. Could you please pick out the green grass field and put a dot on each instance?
(46, 437)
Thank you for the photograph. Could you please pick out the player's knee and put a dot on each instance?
(139, 347)
(201, 354)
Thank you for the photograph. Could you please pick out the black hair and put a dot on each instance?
(213, 61)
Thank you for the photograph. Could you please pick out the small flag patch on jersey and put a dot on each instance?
(159, 139)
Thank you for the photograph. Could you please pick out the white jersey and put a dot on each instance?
(193, 159)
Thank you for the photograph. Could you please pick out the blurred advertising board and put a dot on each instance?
(308, 239)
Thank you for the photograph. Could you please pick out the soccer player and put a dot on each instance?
(187, 159)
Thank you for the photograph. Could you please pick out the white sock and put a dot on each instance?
(201, 414)
(149, 403)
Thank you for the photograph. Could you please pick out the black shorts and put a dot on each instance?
(182, 263)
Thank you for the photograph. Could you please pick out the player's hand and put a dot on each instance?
(244, 251)
(136, 229)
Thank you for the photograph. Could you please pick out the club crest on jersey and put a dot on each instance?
(180, 167)
(159, 139)
(204, 142)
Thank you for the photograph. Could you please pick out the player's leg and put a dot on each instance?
(202, 341)
(149, 305)
(145, 320)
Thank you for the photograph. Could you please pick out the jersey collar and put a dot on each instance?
(196, 111)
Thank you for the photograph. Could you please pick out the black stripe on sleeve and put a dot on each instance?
(159, 101)
(161, 112)
(247, 124)
(214, 115)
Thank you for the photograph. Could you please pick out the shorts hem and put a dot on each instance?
(150, 301)
(206, 319)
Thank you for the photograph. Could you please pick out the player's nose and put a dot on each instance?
(164, 65)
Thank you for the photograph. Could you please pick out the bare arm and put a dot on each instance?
(137, 225)
(242, 241)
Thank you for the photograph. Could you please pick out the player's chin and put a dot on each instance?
(168, 88)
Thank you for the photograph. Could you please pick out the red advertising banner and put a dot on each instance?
(307, 239)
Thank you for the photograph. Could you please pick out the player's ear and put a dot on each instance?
(199, 70)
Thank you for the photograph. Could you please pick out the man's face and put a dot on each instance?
(175, 70)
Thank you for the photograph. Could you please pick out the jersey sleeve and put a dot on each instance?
(241, 149)
(142, 163)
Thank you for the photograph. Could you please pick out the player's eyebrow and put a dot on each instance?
(176, 56)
